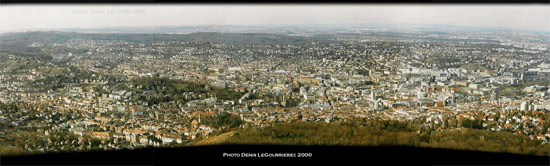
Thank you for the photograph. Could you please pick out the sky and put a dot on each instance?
(47, 17)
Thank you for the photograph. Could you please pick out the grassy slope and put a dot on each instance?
(345, 135)
(218, 139)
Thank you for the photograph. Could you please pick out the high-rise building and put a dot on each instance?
(525, 106)
(493, 96)
(522, 77)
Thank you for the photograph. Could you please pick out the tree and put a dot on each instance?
(95, 143)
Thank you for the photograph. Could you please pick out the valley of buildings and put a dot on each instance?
(86, 89)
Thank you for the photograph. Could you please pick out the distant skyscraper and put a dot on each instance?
(493, 96)
(522, 77)
(524, 106)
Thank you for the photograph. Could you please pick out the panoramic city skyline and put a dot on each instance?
(54, 17)
(444, 83)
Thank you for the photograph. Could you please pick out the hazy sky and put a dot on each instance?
(23, 17)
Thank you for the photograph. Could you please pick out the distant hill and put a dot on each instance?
(24, 52)
(8, 39)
